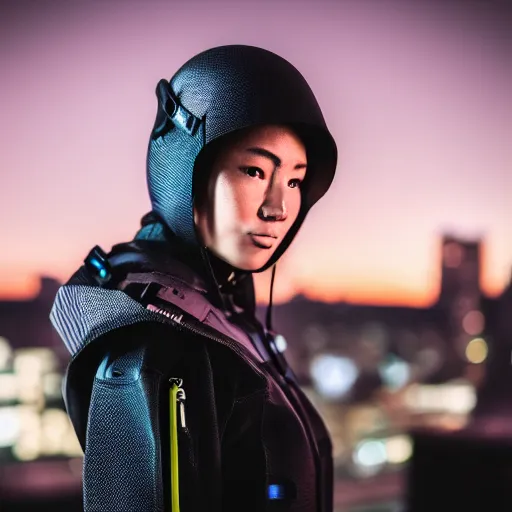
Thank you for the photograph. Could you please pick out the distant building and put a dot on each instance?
(26, 323)
(461, 296)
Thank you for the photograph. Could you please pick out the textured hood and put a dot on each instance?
(216, 93)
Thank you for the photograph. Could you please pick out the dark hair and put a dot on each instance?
(203, 166)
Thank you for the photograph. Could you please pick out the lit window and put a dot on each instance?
(473, 322)
(476, 351)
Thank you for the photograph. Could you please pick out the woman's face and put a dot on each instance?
(253, 196)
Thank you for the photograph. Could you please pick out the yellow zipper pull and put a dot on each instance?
(176, 395)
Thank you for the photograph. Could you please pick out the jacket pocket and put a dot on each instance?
(122, 466)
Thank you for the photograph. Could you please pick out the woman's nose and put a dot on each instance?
(273, 206)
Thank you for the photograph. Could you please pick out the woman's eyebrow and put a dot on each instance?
(271, 156)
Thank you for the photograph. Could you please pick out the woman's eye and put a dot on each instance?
(294, 183)
(253, 172)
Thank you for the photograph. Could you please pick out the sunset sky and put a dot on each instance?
(416, 96)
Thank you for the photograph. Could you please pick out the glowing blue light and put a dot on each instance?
(275, 492)
(96, 263)
(370, 456)
(370, 452)
(101, 268)
(395, 372)
(333, 375)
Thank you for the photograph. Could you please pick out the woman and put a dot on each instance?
(177, 393)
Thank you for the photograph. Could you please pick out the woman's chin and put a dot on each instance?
(251, 263)
(247, 260)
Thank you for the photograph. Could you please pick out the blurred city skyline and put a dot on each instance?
(416, 97)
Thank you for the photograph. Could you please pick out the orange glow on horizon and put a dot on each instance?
(30, 288)
(24, 289)
(26, 286)
(376, 297)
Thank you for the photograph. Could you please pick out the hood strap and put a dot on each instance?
(268, 321)
(176, 112)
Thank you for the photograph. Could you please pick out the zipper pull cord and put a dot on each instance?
(173, 424)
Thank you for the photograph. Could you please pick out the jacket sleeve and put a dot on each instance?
(117, 395)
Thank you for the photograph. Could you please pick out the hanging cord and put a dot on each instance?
(215, 283)
(269, 307)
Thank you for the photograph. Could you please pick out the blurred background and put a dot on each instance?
(394, 303)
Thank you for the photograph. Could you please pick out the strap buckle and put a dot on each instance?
(176, 112)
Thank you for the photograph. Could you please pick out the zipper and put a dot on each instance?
(177, 320)
(161, 311)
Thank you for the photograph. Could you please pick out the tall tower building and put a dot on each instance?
(461, 294)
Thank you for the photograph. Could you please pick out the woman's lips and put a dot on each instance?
(262, 241)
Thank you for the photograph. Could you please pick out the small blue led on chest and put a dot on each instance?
(98, 265)
(101, 270)
(276, 492)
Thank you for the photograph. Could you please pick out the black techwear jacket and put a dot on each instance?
(251, 441)
(150, 311)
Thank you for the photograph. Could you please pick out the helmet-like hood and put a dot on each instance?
(218, 92)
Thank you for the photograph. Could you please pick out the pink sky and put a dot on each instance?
(417, 99)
